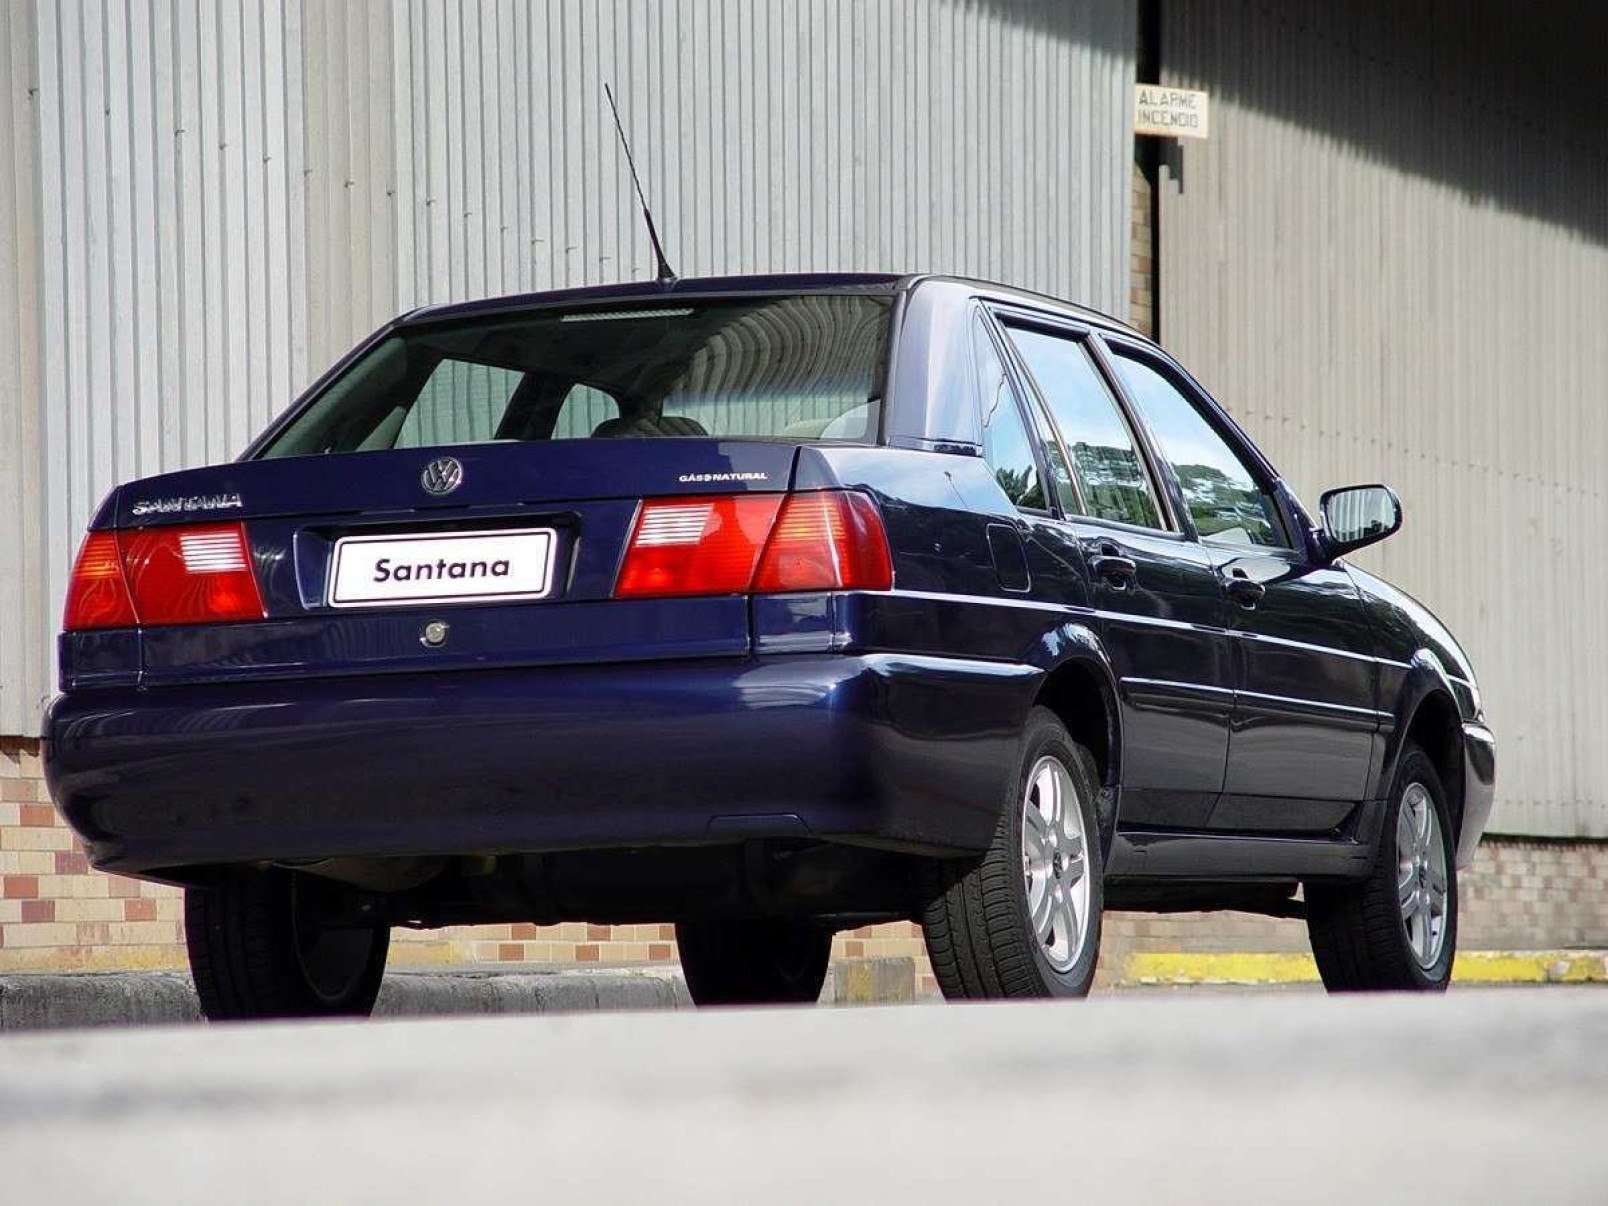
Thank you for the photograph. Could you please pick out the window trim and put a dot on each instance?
(1007, 316)
(979, 324)
(1220, 422)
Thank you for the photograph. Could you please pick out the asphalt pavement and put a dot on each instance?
(1493, 1096)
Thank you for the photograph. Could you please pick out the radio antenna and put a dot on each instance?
(666, 275)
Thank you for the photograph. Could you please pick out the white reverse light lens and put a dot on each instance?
(212, 552)
(673, 525)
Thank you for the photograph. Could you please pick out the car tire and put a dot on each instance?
(1397, 929)
(746, 962)
(1024, 919)
(258, 949)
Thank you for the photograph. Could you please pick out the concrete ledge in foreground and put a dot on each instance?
(52, 1001)
(48, 1001)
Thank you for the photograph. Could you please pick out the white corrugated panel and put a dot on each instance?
(23, 647)
(1390, 260)
(350, 175)
(920, 135)
(168, 295)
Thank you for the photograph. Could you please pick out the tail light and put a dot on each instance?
(97, 595)
(198, 574)
(827, 540)
(706, 546)
(833, 540)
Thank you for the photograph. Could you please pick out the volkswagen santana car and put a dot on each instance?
(768, 606)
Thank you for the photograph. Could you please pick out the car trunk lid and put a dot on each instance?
(567, 506)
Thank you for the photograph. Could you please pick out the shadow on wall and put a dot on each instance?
(1108, 25)
(1497, 98)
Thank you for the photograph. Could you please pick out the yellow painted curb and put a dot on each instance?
(1472, 967)
(1238, 967)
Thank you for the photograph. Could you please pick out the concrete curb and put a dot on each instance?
(1472, 967)
(57, 1000)
(52, 1001)
(49, 1001)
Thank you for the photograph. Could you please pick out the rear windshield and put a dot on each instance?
(796, 367)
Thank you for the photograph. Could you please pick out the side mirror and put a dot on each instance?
(1357, 516)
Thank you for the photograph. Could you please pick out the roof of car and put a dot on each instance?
(881, 282)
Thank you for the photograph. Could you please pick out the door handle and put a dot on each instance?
(1112, 567)
(1243, 591)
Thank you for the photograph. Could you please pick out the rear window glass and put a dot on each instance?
(804, 367)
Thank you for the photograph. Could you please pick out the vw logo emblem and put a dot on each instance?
(442, 475)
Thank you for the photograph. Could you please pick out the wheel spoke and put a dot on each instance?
(1406, 838)
(1423, 818)
(1073, 869)
(1415, 930)
(1041, 906)
(1074, 923)
(1050, 792)
(1036, 833)
(1438, 880)
(1066, 923)
(1406, 882)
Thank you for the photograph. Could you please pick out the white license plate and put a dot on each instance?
(462, 567)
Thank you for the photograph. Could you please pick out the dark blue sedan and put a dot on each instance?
(770, 606)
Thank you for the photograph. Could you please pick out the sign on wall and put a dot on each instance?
(1169, 112)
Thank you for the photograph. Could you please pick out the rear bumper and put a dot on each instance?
(1479, 787)
(906, 751)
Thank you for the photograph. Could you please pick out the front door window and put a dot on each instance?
(1222, 495)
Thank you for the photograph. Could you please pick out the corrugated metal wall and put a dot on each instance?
(785, 135)
(349, 84)
(233, 191)
(170, 242)
(1391, 261)
(22, 575)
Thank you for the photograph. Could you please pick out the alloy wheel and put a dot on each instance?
(1422, 885)
(1055, 864)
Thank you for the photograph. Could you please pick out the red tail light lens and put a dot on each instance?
(197, 574)
(696, 546)
(191, 575)
(831, 540)
(97, 594)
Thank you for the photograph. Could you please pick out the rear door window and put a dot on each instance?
(1105, 457)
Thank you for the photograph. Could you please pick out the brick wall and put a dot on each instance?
(1142, 264)
(55, 913)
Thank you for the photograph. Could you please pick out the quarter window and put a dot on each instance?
(1110, 473)
(1222, 494)
(1007, 447)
